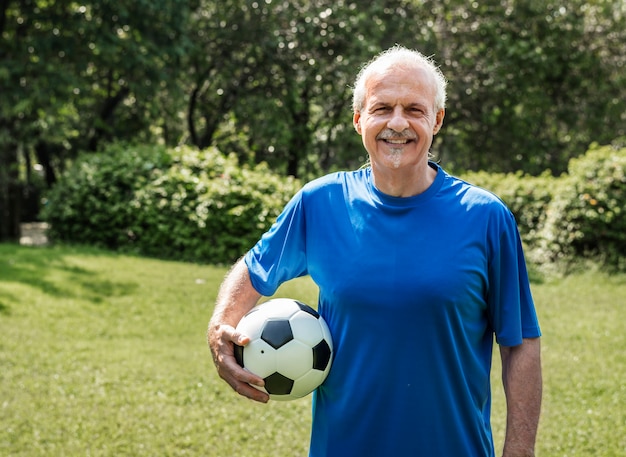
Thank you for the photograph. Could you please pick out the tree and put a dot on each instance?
(519, 96)
(296, 104)
(74, 75)
(532, 84)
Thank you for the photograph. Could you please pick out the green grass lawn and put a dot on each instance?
(105, 355)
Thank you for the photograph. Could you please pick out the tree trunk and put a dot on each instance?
(44, 152)
(4, 6)
(10, 195)
(106, 116)
(300, 140)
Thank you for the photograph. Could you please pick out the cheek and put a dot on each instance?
(370, 126)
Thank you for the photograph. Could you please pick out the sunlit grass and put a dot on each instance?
(105, 355)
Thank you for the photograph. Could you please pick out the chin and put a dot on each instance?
(394, 158)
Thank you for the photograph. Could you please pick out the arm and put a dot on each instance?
(235, 298)
(521, 376)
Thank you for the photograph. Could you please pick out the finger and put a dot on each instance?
(246, 390)
(233, 370)
(240, 380)
(240, 339)
(233, 335)
(244, 382)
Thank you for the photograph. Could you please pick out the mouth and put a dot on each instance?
(396, 141)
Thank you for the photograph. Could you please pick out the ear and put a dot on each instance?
(439, 120)
(356, 121)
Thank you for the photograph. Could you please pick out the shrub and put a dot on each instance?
(90, 204)
(193, 205)
(182, 204)
(587, 217)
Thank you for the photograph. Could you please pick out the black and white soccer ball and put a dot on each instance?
(290, 347)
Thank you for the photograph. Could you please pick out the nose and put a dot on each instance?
(398, 121)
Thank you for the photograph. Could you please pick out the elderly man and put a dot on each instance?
(417, 271)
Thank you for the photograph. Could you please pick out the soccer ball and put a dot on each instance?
(290, 347)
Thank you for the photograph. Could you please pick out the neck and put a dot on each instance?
(403, 182)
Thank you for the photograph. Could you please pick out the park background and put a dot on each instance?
(157, 140)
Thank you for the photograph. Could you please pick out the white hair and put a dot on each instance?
(398, 56)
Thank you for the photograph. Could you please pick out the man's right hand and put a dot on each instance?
(221, 339)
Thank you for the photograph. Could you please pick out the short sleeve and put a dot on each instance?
(280, 254)
(510, 303)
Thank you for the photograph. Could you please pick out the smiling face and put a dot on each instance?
(398, 120)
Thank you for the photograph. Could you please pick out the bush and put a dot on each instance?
(587, 217)
(182, 204)
(202, 206)
(580, 215)
(90, 203)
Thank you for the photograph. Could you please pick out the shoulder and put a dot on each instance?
(476, 203)
(337, 181)
(473, 196)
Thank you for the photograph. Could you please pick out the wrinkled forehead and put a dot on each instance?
(403, 79)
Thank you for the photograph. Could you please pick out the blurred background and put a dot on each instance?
(532, 83)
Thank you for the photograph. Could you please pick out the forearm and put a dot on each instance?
(235, 297)
(521, 376)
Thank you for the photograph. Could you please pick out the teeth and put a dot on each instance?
(396, 141)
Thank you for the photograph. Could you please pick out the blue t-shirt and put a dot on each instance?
(413, 290)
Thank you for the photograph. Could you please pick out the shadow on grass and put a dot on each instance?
(47, 269)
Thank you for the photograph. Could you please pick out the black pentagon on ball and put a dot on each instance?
(277, 333)
(308, 309)
(277, 384)
(239, 354)
(321, 355)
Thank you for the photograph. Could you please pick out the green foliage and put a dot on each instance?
(178, 203)
(532, 84)
(202, 206)
(91, 203)
(528, 88)
(587, 217)
(579, 215)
